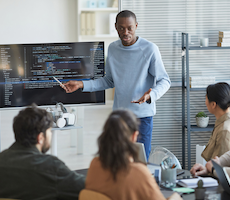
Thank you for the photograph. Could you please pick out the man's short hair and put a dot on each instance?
(29, 123)
(126, 13)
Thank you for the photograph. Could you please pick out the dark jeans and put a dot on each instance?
(145, 133)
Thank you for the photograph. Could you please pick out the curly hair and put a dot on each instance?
(125, 14)
(29, 123)
(115, 146)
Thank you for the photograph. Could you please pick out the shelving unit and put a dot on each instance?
(101, 22)
(185, 87)
(108, 9)
(97, 37)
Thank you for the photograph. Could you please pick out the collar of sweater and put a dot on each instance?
(18, 147)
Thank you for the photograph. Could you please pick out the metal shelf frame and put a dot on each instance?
(185, 87)
(194, 128)
(207, 48)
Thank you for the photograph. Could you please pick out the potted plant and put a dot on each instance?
(200, 190)
(202, 119)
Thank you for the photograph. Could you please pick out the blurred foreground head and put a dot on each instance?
(30, 124)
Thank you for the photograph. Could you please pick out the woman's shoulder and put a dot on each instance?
(95, 168)
(140, 168)
(226, 124)
(95, 162)
(223, 124)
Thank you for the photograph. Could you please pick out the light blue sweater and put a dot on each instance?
(132, 70)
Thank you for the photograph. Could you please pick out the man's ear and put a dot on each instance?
(40, 138)
(115, 26)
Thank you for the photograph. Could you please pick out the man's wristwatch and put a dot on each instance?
(212, 169)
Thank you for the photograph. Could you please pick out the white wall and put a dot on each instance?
(37, 21)
(33, 21)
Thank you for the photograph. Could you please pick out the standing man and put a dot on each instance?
(26, 172)
(135, 68)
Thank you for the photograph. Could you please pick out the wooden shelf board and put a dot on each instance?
(99, 36)
(108, 9)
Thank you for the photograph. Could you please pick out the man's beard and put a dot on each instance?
(45, 146)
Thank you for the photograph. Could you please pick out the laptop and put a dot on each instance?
(141, 152)
(153, 168)
(222, 176)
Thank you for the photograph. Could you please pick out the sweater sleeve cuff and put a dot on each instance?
(86, 86)
(152, 96)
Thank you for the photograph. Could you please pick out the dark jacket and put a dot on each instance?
(27, 174)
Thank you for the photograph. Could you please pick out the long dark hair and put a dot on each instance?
(219, 93)
(115, 145)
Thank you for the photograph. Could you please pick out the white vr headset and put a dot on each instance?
(66, 119)
(63, 118)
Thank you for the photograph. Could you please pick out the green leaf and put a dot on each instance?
(201, 114)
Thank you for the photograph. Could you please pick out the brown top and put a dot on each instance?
(219, 142)
(135, 184)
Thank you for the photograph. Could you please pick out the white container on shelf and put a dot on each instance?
(202, 122)
(102, 3)
(91, 3)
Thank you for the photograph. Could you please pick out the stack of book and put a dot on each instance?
(201, 81)
(88, 23)
(224, 39)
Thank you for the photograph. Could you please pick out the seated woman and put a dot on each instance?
(218, 103)
(116, 171)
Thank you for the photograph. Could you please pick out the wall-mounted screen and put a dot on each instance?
(27, 70)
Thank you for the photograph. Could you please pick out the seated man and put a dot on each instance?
(26, 172)
(198, 169)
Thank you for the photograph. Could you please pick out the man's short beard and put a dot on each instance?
(45, 146)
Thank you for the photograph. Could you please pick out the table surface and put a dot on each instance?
(218, 189)
(67, 127)
(191, 196)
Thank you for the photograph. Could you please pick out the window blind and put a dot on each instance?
(161, 22)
